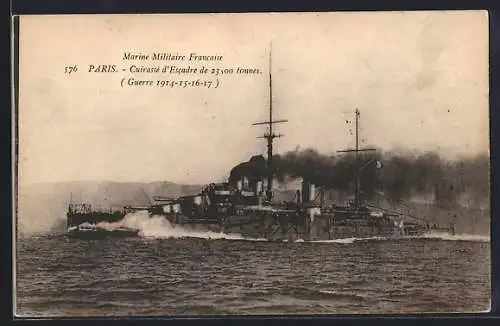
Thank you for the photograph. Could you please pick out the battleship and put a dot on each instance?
(246, 204)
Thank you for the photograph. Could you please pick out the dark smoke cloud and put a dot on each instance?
(398, 174)
(330, 171)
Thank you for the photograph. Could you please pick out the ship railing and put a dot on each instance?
(80, 208)
(416, 221)
(163, 199)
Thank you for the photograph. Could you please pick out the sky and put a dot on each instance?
(419, 79)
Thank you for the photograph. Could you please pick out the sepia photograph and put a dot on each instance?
(252, 164)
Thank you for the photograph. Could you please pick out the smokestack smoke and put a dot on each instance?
(399, 175)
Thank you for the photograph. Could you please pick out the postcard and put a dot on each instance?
(252, 164)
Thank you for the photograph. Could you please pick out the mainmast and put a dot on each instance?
(270, 135)
(357, 169)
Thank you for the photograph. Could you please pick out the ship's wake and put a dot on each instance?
(456, 237)
(159, 227)
(431, 235)
(349, 240)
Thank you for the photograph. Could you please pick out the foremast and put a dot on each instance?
(270, 135)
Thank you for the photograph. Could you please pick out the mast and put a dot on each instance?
(357, 169)
(270, 135)
(146, 196)
(357, 195)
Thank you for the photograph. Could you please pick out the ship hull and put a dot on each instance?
(275, 227)
(265, 225)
